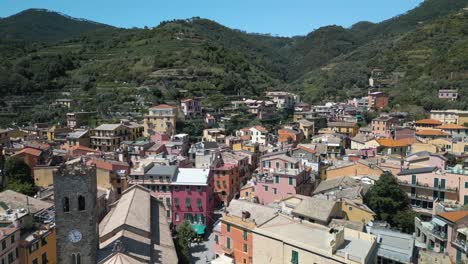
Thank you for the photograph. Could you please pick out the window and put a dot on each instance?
(176, 202)
(43, 241)
(228, 227)
(3, 244)
(245, 247)
(275, 191)
(290, 180)
(187, 202)
(294, 257)
(168, 201)
(228, 243)
(350, 208)
(81, 203)
(466, 184)
(167, 179)
(199, 189)
(44, 258)
(66, 204)
(160, 178)
(177, 216)
(265, 187)
(34, 247)
(246, 194)
(276, 178)
(216, 239)
(277, 165)
(12, 239)
(35, 261)
(244, 234)
(199, 203)
(168, 213)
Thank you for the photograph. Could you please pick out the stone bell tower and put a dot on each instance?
(75, 194)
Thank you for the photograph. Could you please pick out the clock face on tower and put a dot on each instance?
(74, 236)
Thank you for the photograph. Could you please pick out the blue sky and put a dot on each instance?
(285, 18)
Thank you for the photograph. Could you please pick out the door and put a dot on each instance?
(459, 257)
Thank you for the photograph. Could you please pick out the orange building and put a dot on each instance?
(226, 179)
(31, 157)
(234, 237)
(287, 135)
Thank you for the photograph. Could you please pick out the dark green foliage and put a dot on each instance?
(185, 234)
(105, 67)
(390, 203)
(18, 176)
(43, 25)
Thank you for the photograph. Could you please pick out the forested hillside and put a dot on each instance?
(106, 67)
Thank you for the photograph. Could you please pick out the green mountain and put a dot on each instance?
(44, 25)
(106, 67)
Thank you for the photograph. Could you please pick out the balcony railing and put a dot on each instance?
(428, 187)
(460, 244)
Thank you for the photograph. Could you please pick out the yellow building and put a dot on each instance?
(307, 128)
(39, 247)
(43, 176)
(160, 119)
(357, 212)
(287, 240)
(346, 128)
(54, 131)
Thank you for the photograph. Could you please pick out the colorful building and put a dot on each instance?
(9, 241)
(349, 129)
(280, 176)
(107, 137)
(290, 136)
(39, 246)
(226, 181)
(191, 106)
(427, 185)
(160, 119)
(234, 236)
(192, 198)
(381, 126)
(376, 100)
(283, 239)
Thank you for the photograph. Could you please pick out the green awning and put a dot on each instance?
(199, 228)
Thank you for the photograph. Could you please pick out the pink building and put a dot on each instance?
(9, 241)
(160, 138)
(381, 126)
(429, 184)
(178, 145)
(280, 176)
(193, 199)
(191, 106)
(425, 159)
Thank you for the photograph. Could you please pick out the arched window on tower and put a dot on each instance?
(81, 203)
(78, 259)
(75, 258)
(66, 204)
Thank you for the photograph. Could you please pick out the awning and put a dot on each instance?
(438, 222)
(463, 231)
(199, 228)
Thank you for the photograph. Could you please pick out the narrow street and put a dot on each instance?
(201, 253)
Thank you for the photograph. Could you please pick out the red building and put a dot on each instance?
(377, 100)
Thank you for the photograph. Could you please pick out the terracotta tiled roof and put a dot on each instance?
(163, 106)
(430, 132)
(428, 122)
(260, 128)
(30, 151)
(246, 137)
(388, 142)
(83, 148)
(310, 150)
(454, 216)
(451, 126)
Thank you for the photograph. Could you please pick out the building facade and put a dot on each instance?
(160, 119)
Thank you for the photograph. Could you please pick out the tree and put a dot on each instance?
(18, 176)
(404, 220)
(388, 201)
(184, 234)
(17, 170)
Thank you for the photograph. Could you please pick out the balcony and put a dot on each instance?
(428, 187)
(460, 244)
(226, 250)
